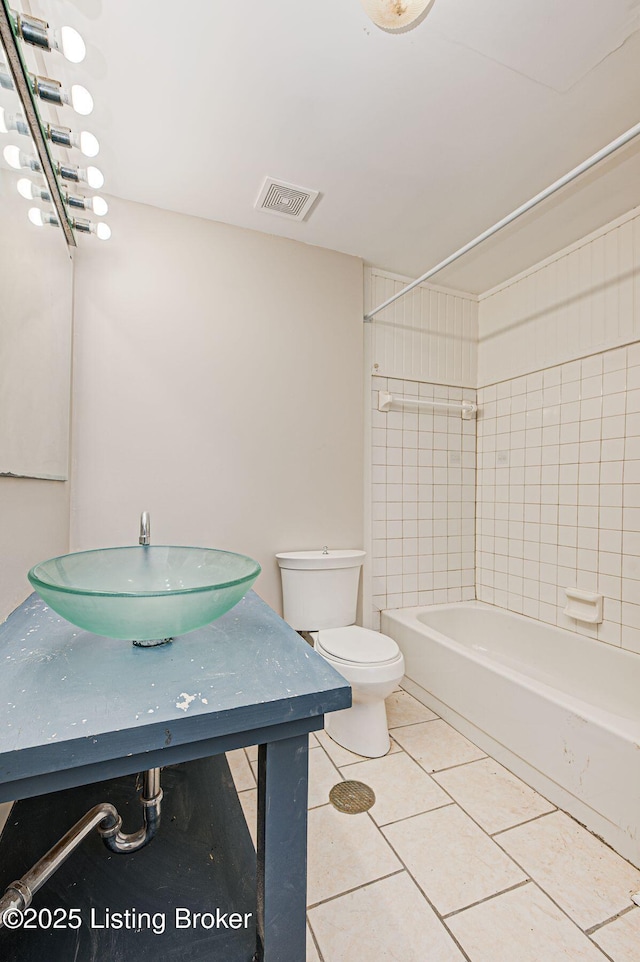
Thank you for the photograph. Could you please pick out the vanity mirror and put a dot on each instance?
(35, 294)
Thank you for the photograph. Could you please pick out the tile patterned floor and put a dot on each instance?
(457, 860)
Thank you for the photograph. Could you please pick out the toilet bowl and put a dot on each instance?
(373, 665)
(320, 593)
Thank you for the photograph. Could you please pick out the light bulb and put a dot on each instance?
(11, 154)
(16, 159)
(6, 80)
(38, 33)
(65, 137)
(42, 217)
(81, 100)
(100, 206)
(95, 177)
(15, 122)
(89, 144)
(35, 216)
(71, 45)
(31, 191)
(25, 188)
(84, 226)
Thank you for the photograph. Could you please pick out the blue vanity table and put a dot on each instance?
(80, 709)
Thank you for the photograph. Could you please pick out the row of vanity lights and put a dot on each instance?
(70, 44)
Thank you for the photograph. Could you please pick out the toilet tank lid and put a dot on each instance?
(359, 645)
(345, 558)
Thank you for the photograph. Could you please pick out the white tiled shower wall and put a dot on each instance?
(559, 449)
(423, 463)
(558, 493)
(558, 480)
(423, 499)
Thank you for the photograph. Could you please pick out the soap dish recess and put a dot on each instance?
(585, 606)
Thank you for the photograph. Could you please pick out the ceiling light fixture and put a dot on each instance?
(397, 16)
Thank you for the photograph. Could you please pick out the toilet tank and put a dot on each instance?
(320, 588)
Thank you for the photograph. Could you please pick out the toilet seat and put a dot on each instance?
(353, 645)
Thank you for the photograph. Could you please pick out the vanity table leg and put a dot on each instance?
(282, 849)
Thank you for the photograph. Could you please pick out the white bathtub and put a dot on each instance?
(558, 709)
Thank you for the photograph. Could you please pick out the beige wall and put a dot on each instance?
(34, 520)
(218, 384)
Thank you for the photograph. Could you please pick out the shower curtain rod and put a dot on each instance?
(518, 212)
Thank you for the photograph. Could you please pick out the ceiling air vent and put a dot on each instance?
(286, 200)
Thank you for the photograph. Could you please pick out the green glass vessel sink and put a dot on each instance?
(146, 593)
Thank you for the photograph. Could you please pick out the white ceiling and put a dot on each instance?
(417, 142)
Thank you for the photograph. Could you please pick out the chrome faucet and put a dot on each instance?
(145, 528)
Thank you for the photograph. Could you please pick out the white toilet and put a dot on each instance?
(320, 591)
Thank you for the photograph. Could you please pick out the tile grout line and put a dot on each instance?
(487, 898)
(405, 818)
(527, 821)
(539, 886)
(356, 888)
(614, 918)
(449, 767)
(425, 897)
(313, 937)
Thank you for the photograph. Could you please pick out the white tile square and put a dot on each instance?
(249, 802)
(621, 939)
(344, 852)
(435, 745)
(582, 874)
(323, 775)
(387, 921)
(404, 709)
(453, 861)
(521, 926)
(492, 796)
(240, 770)
(401, 787)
